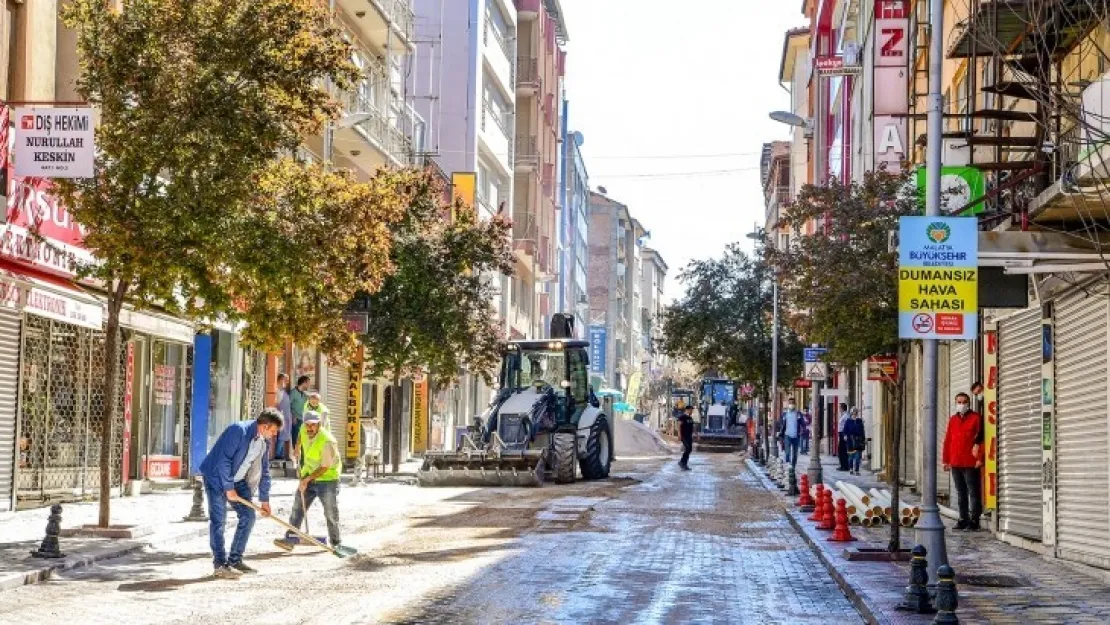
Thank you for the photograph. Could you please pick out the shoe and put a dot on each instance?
(243, 568)
(226, 572)
(685, 468)
(973, 526)
(962, 525)
(286, 544)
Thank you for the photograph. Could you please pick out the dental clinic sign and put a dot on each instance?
(54, 142)
(938, 278)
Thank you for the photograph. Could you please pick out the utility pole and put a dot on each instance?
(814, 471)
(930, 528)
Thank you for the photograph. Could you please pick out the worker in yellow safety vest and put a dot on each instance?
(320, 470)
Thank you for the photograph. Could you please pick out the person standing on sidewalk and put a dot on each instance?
(283, 450)
(963, 456)
(686, 433)
(856, 441)
(233, 470)
(804, 431)
(841, 438)
(298, 397)
(789, 430)
(319, 479)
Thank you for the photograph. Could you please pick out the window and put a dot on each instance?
(579, 377)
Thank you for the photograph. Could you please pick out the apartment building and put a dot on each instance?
(653, 277)
(574, 228)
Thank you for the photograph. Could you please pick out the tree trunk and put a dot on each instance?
(395, 421)
(111, 380)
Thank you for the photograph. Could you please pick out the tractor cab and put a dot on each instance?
(552, 377)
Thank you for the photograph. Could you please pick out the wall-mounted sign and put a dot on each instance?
(54, 142)
(882, 368)
(357, 322)
(959, 186)
(598, 335)
(835, 66)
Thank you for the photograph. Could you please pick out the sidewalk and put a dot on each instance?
(997, 583)
(159, 517)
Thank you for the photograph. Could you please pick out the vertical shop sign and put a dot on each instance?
(990, 417)
(354, 409)
(420, 414)
(1048, 421)
(128, 379)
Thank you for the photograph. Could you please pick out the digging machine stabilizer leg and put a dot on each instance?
(545, 422)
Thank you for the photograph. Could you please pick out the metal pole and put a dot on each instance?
(816, 475)
(930, 528)
(774, 408)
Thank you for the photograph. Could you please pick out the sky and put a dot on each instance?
(672, 100)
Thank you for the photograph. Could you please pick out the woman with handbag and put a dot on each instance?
(856, 438)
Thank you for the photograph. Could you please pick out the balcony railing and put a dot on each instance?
(400, 13)
(490, 113)
(386, 124)
(527, 151)
(491, 30)
(528, 72)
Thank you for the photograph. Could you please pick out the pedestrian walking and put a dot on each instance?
(790, 426)
(806, 431)
(856, 438)
(283, 450)
(841, 439)
(962, 455)
(686, 433)
(319, 479)
(298, 397)
(233, 470)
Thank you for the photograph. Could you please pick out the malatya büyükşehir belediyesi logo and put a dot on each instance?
(938, 232)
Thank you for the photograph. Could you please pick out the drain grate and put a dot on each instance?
(991, 581)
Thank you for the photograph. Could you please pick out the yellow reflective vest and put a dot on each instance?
(313, 453)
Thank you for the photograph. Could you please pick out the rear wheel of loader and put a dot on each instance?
(566, 457)
(595, 465)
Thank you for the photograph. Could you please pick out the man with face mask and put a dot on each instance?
(789, 429)
(963, 455)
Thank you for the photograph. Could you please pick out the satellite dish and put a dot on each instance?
(789, 119)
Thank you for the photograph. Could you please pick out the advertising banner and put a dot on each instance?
(938, 283)
(597, 349)
(420, 415)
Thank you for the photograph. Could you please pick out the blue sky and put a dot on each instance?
(672, 98)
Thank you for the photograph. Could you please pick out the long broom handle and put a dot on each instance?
(291, 528)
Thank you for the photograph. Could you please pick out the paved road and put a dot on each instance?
(651, 545)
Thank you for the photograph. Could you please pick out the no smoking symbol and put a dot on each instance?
(923, 324)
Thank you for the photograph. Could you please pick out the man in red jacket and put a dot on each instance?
(963, 443)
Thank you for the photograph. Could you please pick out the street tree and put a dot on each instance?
(724, 322)
(841, 281)
(434, 312)
(196, 99)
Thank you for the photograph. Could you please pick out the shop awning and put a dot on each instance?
(1040, 252)
(50, 298)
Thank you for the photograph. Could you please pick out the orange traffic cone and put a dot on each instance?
(805, 499)
(841, 533)
(818, 508)
(828, 518)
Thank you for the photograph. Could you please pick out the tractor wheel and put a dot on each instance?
(566, 455)
(599, 451)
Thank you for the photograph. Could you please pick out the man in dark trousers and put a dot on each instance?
(686, 433)
(963, 455)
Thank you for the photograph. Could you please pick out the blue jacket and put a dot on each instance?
(227, 455)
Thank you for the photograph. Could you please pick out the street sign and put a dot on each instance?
(938, 278)
(802, 383)
(813, 354)
(882, 368)
(816, 371)
(358, 323)
(54, 142)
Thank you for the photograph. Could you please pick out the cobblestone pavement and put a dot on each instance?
(650, 545)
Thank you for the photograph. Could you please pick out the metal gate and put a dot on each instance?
(9, 393)
(336, 400)
(254, 378)
(959, 381)
(63, 405)
(1019, 424)
(1082, 482)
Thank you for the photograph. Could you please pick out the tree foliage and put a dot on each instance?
(197, 100)
(841, 280)
(724, 321)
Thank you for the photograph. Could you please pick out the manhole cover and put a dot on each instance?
(991, 581)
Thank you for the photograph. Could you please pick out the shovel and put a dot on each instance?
(338, 551)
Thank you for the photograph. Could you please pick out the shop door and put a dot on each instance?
(140, 385)
(1019, 424)
(1082, 483)
(165, 430)
(336, 400)
(9, 393)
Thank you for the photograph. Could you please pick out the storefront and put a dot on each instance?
(1019, 424)
(10, 321)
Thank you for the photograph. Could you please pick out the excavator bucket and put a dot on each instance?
(524, 468)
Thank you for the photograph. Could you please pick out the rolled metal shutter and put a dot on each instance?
(1082, 482)
(336, 399)
(959, 381)
(9, 392)
(1019, 424)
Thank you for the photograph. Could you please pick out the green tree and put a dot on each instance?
(724, 322)
(197, 99)
(435, 310)
(842, 280)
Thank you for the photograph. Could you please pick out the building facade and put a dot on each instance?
(574, 227)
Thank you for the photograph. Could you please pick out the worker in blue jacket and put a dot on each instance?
(237, 465)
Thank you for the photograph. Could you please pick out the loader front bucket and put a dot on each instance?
(509, 469)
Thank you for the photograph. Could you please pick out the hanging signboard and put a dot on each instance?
(835, 66)
(598, 336)
(354, 410)
(54, 142)
(420, 415)
(882, 368)
(938, 267)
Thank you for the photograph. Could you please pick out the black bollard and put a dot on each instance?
(49, 547)
(792, 483)
(947, 597)
(916, 598)
(196, 514)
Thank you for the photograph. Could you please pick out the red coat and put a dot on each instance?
(964, 432)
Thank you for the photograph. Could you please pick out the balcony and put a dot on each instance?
(382, 23)
(528, 77)
(494, 132)
(498, 55)
(383, 130)
(527, 153)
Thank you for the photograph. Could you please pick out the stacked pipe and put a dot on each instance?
(907, 515)
(868, 512)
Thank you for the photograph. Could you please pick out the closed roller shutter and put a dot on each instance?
(9, 383)
(336, 399)
(1019, 424)
(959, 381)
(1082, 504)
